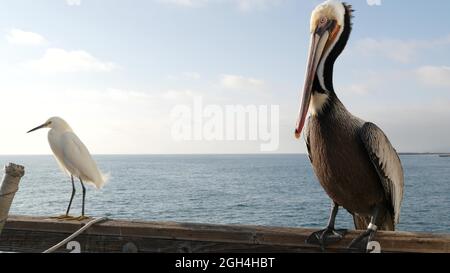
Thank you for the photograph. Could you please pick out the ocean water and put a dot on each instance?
(272, 190)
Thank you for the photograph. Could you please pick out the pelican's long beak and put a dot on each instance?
(319, 41)
(39, 127)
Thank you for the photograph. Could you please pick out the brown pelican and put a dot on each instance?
(353, 160)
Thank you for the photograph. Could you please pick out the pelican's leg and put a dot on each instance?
(82, 217)
(66, 216)
(329, 234)
(360, 243)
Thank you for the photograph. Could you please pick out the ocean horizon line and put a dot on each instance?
(210, 154)
(154, 154)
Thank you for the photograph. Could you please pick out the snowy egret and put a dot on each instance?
(73, 158)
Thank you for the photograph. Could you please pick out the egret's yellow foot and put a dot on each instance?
(63, 217)
(81, 218)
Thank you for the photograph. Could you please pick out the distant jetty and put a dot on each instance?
(436, 154)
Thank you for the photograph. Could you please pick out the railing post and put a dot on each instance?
(9, 187)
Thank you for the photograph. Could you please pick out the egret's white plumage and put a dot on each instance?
(72, 156)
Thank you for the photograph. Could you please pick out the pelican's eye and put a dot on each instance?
(323, 21)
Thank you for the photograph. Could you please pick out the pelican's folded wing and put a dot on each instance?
(386, 162)
(306, 136)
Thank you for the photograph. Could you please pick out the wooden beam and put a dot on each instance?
(36, 234)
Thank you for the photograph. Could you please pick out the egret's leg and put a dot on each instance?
(71, 197)
(84, 196)
(66, 216)
(82, 217)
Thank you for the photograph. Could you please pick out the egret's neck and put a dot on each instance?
(60, 129)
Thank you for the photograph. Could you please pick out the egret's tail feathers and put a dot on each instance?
(102, 181)
(98, 181)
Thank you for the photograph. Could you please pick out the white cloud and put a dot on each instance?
(243, 5)
(73, 2)
(56, 60)
(242, 83)
(185, 76)
(20, 37)
(246, 5)
(357, 89)
(397, 50)
(435, 76)
(369, 82)
(191, 75)
(374, 2)
(177, 94)
(403, 51)
(119, 94)
(185, 3)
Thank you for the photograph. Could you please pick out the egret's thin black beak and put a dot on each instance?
(39, 127)
(319, 40)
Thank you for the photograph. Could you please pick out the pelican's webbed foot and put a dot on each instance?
(325, 237)
(361, 242)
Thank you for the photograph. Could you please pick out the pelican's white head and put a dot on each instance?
(55, 123)
(331, 10)
(330, 29)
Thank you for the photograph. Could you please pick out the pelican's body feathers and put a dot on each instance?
(353, 160)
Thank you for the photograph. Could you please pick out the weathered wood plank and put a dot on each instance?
(8, 189)
(35, 234)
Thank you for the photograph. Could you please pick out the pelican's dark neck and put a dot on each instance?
(334, 54)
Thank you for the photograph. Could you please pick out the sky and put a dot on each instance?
(116, 70)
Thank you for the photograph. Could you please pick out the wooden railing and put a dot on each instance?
(36, 234)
